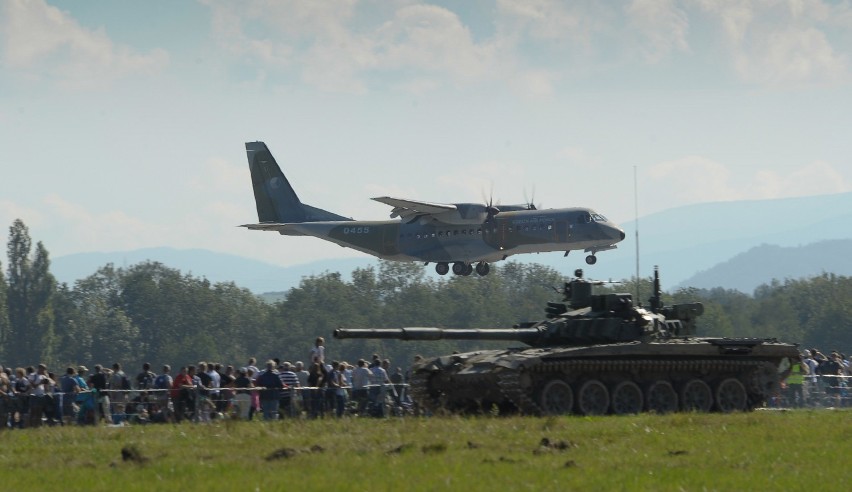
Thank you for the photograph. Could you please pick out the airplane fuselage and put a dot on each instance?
(506, 234)
(441, 233)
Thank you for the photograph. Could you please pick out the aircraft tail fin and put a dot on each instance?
(275, 198)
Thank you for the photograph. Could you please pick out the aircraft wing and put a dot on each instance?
(411, 208)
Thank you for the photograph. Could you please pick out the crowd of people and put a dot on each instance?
(817, 380)
(34, 396)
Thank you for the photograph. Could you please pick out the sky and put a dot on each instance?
(122, 123)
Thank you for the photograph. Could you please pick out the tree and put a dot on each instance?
(4, 314)
(30, 293)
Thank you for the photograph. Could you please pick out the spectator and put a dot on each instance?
(215, 384)
(336, 388)
(100, 384)
(271, 392)
(68, 391)
(119, 385)
(183, 393)
(162, 386)
(360, 380)
(378, 389)
(303, 397)
(291, 382)
(6, 401)
(795, 382)
(39, 395)
(318, 351)
(145, 379)
(242, 399)
(252, 368)
(85, 399)
(315, 380)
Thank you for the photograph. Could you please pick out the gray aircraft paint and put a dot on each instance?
(465, 232)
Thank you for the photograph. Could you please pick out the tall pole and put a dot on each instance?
(636, 222)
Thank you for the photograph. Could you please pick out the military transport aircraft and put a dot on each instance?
(458, 234)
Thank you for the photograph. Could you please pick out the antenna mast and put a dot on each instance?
(636, 222)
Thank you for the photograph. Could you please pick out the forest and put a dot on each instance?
(152, 313)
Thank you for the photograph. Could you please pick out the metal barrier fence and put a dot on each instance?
(202, 405)
(822, 391)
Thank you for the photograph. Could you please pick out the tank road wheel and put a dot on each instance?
(731, 396)
(593, 398)
(626, 398)
(556, 398)
(459, 268)
(591, 259)
(696, 396)
(661, 397)
(468, 269)
(482, 269)
(442, 268)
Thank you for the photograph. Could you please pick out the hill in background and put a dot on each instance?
(743, 270)
(737, 245)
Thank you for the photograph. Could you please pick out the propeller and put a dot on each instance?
(490, 209)
(531, 201)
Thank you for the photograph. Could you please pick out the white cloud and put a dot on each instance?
(42, 43)
(84, 230)
(778, 43)
(221, 176)
(10, 211)
(662, 27)
(695, 179)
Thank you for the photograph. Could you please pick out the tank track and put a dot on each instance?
(756, 375)
(510, 385)
(419, 391)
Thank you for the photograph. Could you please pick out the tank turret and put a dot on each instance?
(581, 319)
(597, 354)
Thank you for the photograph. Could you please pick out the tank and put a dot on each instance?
(597, 354)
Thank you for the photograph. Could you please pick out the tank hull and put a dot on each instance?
(683, 374)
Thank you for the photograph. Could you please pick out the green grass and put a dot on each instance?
(748, 451)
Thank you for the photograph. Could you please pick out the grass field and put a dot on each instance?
(762, 450)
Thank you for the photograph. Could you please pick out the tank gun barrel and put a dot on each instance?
(526, 335)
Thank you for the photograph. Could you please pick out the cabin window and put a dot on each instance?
(456, 232)
(549, 227)
(479, 231)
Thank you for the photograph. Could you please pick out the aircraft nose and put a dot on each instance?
(616, 233)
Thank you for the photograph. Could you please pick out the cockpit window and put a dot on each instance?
(584, 218)
(598, 218)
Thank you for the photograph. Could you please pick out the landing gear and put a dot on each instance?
(462, 268)
(591, 259)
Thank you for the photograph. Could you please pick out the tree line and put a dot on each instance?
(150, 312)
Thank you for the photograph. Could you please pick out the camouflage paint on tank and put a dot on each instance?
(597, 354)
